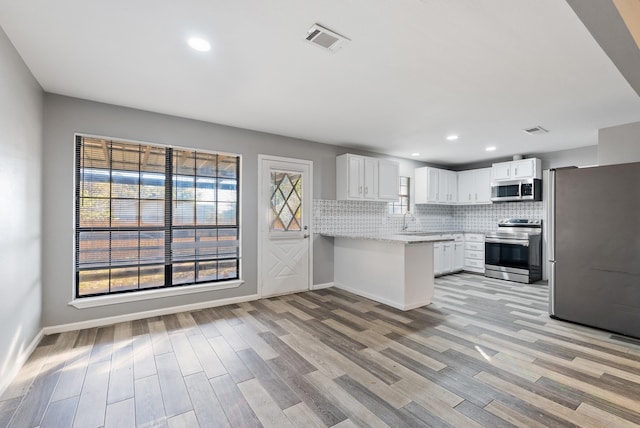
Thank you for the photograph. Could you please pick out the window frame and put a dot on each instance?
(400, 195)
(119, 296)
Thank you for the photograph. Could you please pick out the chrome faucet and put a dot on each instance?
(405, 226)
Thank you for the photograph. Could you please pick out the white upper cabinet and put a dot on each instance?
(370, 179)
(354, 177)
(501, 171)
(527, 168)
(433, 186)
(448, 186)
(426, 185)
(474, 186)
(483, 186)
(436, 186)
(466, 187)
(517, 170)
(388, 180)
(365, 178)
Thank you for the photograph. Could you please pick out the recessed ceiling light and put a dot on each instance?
(198, 44)
(452, 137)
(490, 148)
(415, 154)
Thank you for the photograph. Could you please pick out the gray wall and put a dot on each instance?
(619, 144)
(65, 116)
(20, 212)
(607, 27)
(581, 156)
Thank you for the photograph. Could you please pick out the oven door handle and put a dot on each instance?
(524, 243)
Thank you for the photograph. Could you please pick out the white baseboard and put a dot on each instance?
(321, 286)
(381, 299)
(146, 314)
(415, 305)
(20, 361)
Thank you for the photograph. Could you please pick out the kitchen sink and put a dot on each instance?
(415, 233)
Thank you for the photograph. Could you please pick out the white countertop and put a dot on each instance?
(394, 237)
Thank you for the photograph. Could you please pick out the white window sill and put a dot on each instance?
(91, 302)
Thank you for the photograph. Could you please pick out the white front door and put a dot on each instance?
(284, 213)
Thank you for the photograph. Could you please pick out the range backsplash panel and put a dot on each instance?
(484, 218)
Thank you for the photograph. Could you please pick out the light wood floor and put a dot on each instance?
(485, 353)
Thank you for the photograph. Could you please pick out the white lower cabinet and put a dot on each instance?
(438, 252)
(448, 256)
(458, 258)
(474, 252)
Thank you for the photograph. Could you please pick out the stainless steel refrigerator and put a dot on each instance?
(594, 246)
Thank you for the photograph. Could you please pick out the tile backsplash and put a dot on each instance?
(363, 217)
(435, 217)
(484, 218)
(358, 217)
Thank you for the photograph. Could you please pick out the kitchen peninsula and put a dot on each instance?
(394, 269)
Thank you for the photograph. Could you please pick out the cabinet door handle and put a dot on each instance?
(366, 190)
(360, 189)
(516, 172)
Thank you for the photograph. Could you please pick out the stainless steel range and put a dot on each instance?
(514, 251)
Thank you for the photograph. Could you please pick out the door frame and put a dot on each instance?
(261, 220)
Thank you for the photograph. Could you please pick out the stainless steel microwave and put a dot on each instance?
(517, 190)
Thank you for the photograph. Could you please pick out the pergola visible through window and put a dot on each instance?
(150, 216)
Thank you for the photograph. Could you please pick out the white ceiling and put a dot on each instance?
(415, 71)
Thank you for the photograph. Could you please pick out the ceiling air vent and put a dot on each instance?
(325, 38)
(535, 130)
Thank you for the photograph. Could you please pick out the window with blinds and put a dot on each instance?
(402, 205)
(151, 216)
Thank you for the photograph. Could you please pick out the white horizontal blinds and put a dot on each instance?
(147, 216)
(205, 217)
(120, 225)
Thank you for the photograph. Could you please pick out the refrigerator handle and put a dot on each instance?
(551, 216)
(551, 238)
(552, 289)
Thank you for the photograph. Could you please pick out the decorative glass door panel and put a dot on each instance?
(286, 201)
